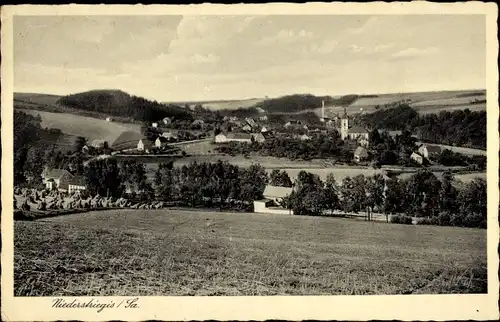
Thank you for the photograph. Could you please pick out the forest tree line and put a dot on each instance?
(461, 128)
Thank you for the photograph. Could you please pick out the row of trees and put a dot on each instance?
(319, 147)
(223, 185)
(422, 195)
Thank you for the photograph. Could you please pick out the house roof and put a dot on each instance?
(78, 181)
(415, 153)
(238, 136)
(361, 152)
(97, 143)
(127, 139)
(432, 148)
(56, 173)
(277, 192)
(357, 129)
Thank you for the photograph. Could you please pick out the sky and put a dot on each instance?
(190, 58)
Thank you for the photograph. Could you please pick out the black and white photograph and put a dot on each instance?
(249, 155)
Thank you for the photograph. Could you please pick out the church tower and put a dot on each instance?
(344, 125)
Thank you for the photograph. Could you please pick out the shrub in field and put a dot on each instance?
(401, 219)
(427, 221)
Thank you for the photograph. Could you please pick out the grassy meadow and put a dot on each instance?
(89, 127)
(178, 252)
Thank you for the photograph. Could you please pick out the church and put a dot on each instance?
(341, 124)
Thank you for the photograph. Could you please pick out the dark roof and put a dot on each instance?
(56, 173)
(162, 139)
(357, 129)
(146, 142)
(432, 148)
(78, 180)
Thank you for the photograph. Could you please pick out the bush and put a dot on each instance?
(401, 219)
(475, 220)
(444, 219)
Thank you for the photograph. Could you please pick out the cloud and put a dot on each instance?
(326, 47)
(415, 52)
(287, 36)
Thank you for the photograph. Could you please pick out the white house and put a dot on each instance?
(264, 129)
(154, 124)
(263, 118)
(258, 137)
(109, 119)
(161, 142)
(56, 179)
(247, 128)
(144, 145)
(357, 132)
(304, 137)
(169, 135)
(251, 122)
(77, 184)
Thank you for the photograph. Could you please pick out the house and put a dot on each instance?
(98, 144)
(305, 127)
(85, 149)
(161, 142)
(167, 121)
(76, 183)
(247, 128)
(233, 137)
(260, 110)
(144, 145)
(250, 121)
(271, 203)
(357, 132)
(428, 150)
(362, 141)
(304, 137)
(109, 119)
(154, 124)
(417, 158)
(263, 118)
(360, 154)
(264, 129)
(56, 179)
(258, 137)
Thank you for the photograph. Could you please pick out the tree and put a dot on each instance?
(332, 193)
(280, 178)
(253, 182)
(80, 142)
(448, 194)
(309, 196)
(422, 193)
(394, 196)
(472, 202)
(374, 193)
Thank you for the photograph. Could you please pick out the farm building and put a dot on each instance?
(263, 118)
(233, 137)
(127, 140)
(85, 148)
(258, 137)
(264, 129)
(109, 119)
(144, 145)
(167, 121)
(363, 142)
(428, 150)
(56, 179)
(154, 124)
(98, 144)
(273, 196)
(161, 142)
(250, 121)
(197, 123)
(360, 154)
(247, 128)
(417, 158)
(76, 183)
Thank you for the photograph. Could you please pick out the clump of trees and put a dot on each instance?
(319, 147)
(461, 128)
(121, 104)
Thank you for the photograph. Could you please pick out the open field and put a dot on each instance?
(423, 102)
(458, 149)
(37, 98)
(176, 252)
(88, 127)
